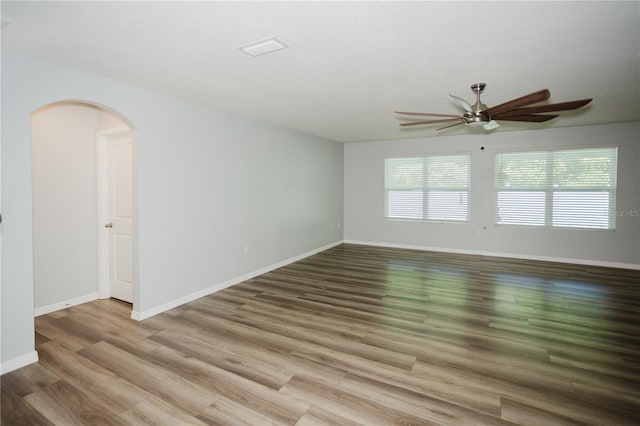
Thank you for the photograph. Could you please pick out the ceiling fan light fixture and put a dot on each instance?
(491, 125)
(475, 123)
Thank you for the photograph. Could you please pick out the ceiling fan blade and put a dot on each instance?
(462, 103)
(426, 114)
(418, 123)
(528, 118)
(531, 98)
(449, 126)
(562, 106)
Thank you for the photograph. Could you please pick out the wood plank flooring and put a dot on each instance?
(354, 335)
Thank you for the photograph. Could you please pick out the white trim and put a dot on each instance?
(412, 247)
(587, 262)
(142, 315)
(19, 362)
(43, 310)
(102, 144)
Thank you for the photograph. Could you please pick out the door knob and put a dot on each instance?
(108, 225)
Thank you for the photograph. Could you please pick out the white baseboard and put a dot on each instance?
(587, 262)
(43, 310)
(142, 315)
(410, 247)
(19, 362)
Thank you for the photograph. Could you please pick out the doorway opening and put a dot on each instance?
(82, 155)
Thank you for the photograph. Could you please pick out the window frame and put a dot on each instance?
(427, 189)
(549, 190)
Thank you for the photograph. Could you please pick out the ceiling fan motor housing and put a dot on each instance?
(477, 118)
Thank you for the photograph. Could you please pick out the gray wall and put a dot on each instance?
(208, 184)
(63, 146)
(364, 198)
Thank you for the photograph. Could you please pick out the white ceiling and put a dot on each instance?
(349, 64)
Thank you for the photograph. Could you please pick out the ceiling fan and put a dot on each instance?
(479, 114)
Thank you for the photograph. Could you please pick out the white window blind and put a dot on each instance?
(564, 188)
(427, 188)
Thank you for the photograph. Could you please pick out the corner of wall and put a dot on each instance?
(19, 362)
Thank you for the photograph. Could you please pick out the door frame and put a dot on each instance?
(102, 157)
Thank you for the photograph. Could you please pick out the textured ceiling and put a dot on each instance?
(349, 64)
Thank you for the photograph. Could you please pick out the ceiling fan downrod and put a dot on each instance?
(477, 117)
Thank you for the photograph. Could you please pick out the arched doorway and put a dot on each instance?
(68, 199)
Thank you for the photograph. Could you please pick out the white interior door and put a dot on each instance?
(120, 217)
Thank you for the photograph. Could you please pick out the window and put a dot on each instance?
(565, 188)
(429, 188)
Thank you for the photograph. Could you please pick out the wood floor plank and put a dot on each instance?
(210, 304)
(316, 416)
(62, 404)
(29, 379)
(179, 323)
(40, 339)
(16, 411)
(221, 382)
(158, 381)
(335, 339)
(154, 411)
(354, 335)
(353, 408)
(625, 399)
(418, 404)
(355, 365)
(424, 346)
(83, 374)
(91, 329)
(116, 313)
(578, 411)
(278, 358)
(523, 414)
(616, 369)
(227, 412)
(239, 330)
(236, 363)
(54, 330)
(360, 306)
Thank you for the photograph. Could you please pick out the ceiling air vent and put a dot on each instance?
(262, 47)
